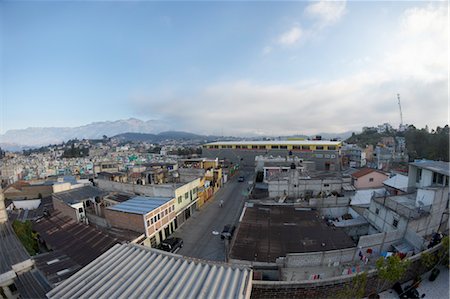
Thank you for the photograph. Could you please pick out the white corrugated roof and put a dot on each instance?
(134, 271)
(398, 182)
(363, 197)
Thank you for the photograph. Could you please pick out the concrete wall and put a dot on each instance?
(329, 287)
(134, 222)
(166, 190)
(189, 174)
(384, 220)
(417, 241)
(3, 214)
(322, 258)
(334, 212)
(29, 192)
(294, 185)
(61, 187)
(64, 209)
(365, 183)
(379, 242)
(425, 225)
(331, 201)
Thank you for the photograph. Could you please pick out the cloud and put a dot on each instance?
(291, 36)
(413, 63)
(267, 50)
(323, 13)
(326, 13)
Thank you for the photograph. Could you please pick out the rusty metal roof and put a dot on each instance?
(268, 232)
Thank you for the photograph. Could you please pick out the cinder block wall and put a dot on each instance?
(123, 220)
(328, 288)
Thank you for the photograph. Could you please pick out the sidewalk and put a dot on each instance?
(438, 289)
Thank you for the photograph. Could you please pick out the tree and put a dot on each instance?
(27, 237)
(390, 270)
(356, 289)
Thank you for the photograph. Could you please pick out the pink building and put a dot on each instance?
(368, 178)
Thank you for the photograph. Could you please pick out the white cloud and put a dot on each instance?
(291, 36)
(323, 13)
(267, 50)
(414, 63)
(326, 12)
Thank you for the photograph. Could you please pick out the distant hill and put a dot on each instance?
(36, 137)
(172, 135)
(420, 143)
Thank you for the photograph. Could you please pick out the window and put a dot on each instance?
(229, 146)
(254, 146)
(319, 147)
(262, 147)
(80, 210)
(155, 219)
(326, 185)
(186, 195)
(238, 146)
(159, 217)
(395, 223)
(283, 146)
(274, 146)
(305, 147)
(148, 222)
(331, 148)
(377, 211)
(296, 147)
(216, 146)
(151, 221)
(370, 179)
(418, 175)
(180, 199)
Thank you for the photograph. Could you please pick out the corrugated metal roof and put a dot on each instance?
(134, 271)
(398, 182)
(32, 284)
(12, 251)
(140, 204)
(79, 194)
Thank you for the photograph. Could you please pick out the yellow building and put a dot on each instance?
(294, 145)
(186, 197)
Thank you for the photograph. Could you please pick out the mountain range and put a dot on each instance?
(35, 137)
(126, 130)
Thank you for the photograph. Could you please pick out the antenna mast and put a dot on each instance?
(401, 115)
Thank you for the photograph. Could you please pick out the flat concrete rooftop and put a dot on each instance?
(268, 232)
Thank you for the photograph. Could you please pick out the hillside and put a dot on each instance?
(420, 143)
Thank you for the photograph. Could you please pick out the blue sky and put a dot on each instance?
(233, 67)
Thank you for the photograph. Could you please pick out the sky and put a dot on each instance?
(224, 67)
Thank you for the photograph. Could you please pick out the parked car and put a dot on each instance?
(241, 179)
(171, 244)
(227, 232)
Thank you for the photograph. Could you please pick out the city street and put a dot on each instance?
(201, 232)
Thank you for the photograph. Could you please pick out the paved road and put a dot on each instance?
(197, 231)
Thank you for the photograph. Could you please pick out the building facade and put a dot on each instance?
(326, 154)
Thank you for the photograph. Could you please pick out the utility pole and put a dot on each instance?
(401, 115)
